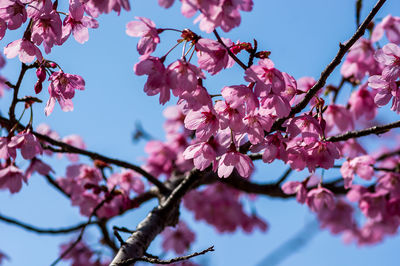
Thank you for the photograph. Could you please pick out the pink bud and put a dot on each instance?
(41, 74)
(38, 87)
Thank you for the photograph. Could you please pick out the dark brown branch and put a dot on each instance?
(38, 230)
(284, 176)
(11, 111)
(158, 261)
(106, 235)
(66, 148)
(365, 132)
(234, 57)
(387, 155)
(52, 182)
(165, 214)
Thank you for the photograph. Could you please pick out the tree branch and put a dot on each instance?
(38, 230)
(166, 213)
(365, 132)
(158, 261)
(234, 57)
(66, 148)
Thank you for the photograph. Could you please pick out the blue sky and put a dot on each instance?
(303, 36)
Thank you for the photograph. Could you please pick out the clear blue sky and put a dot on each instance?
(303, 37)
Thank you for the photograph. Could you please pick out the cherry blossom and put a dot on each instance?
(13, 12)
(77, 23)
(25, 49)
(62, 89)
(27, 143)
(11, 178)
(389, 25)
(146, 29)
(320, 199)
(178, 240)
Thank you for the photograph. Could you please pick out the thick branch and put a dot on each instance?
(166, 213)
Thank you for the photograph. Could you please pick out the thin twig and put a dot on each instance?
(158, 261)
(54, 183)
(284, 176)
(365, 132)
(234, 57)
(38, 230)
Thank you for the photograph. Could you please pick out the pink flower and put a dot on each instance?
(146, 29)
(239, 95)
(203, 154)
(389, 56)
(47, 29)
(267, 78)
(178, 240)
(275, 148)
(233, 159)
(305, 125)
(77, 23)
(62, 88)
(386, 90)
(255, 125)
(28, 143)
(38, 166)
(275, 105)
(339, 116)
(319, 199)
(360, 61)
(156, 80)
(11, 178)
(362, 103)
(13, 12)
(161, 158)
(224, 13)
(351, 148)
(304, 84)
(361, 166)
(5, 151)
(94, 7)
(166, 3)
(322, 154)
(38, 7)
(195, 100)
(298, 188)
(373, 204)
(212, 56)
(230, 117)
(25, 49)
(76, 141)
(204, 121)
(389, 183)
(127, 180)
(250, 223)
(390, 25)
(339, 219)
(182, 76)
